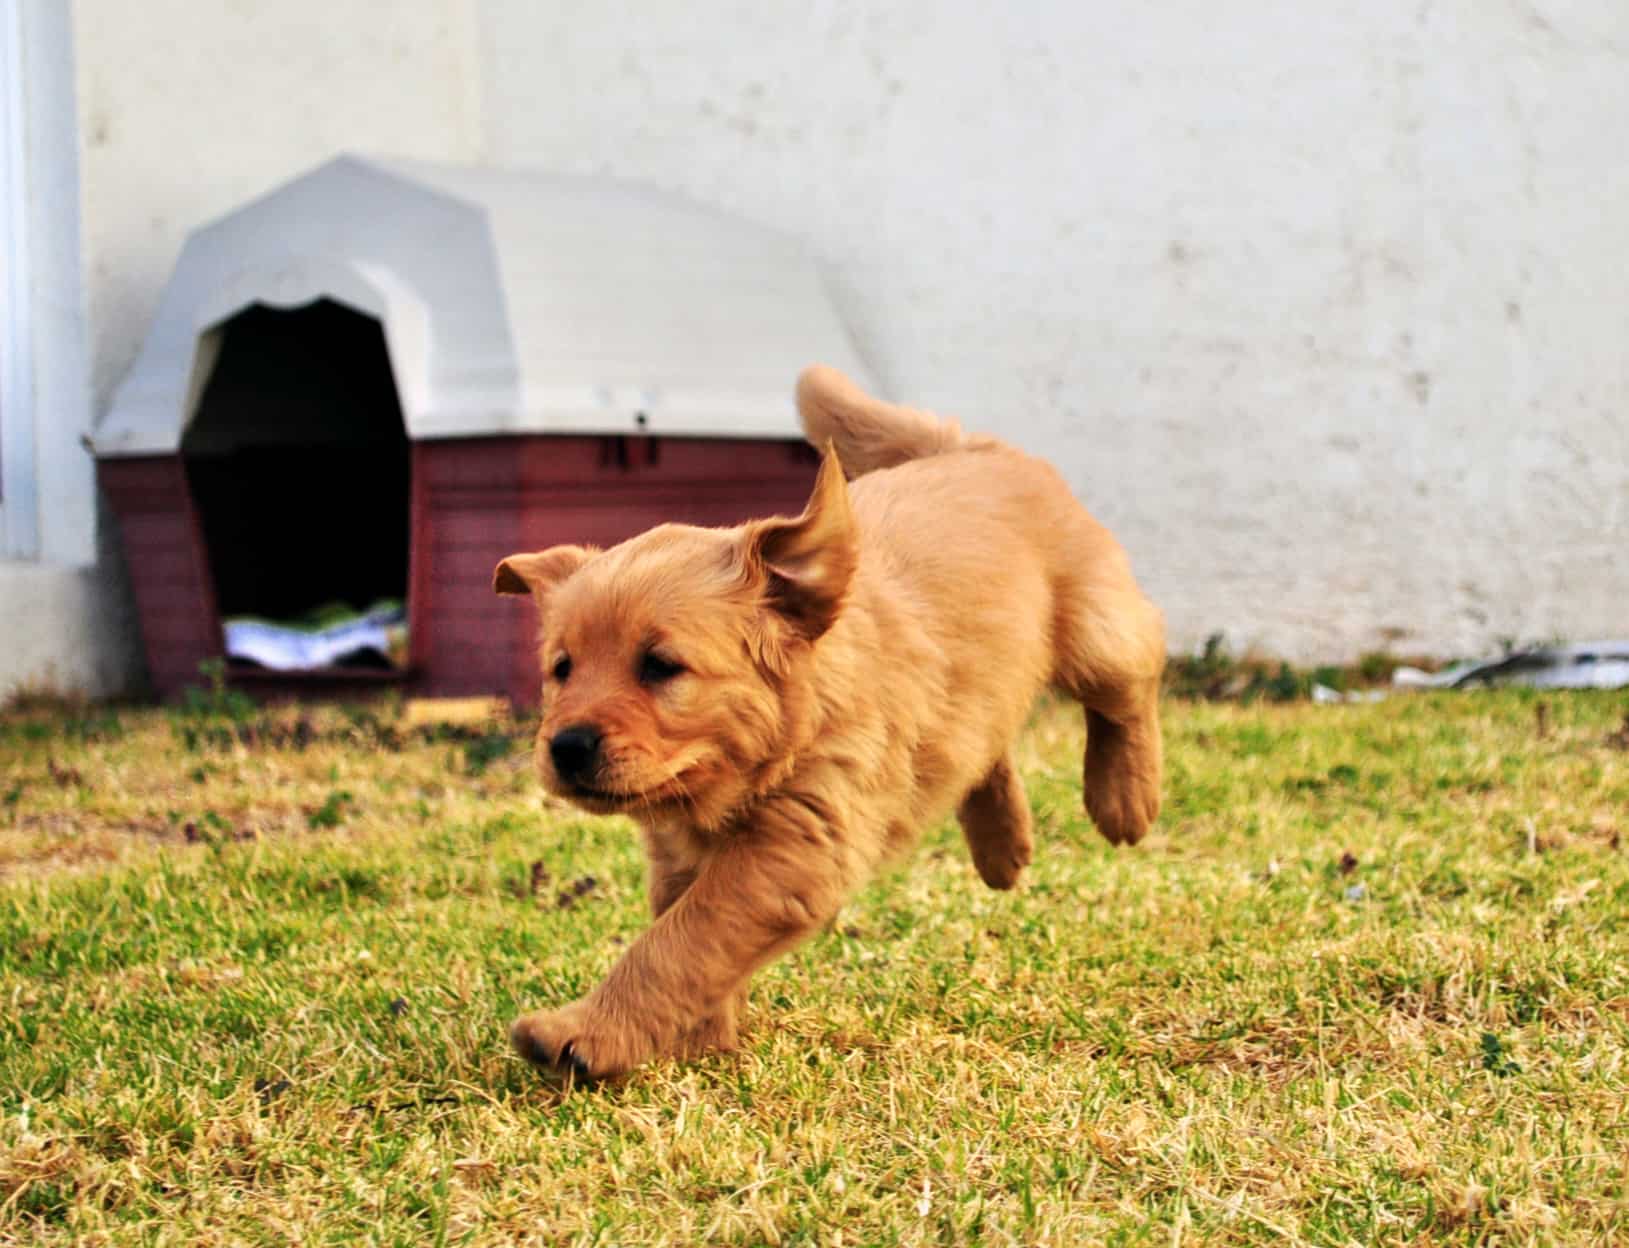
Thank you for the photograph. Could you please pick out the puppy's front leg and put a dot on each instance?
(750, 901)
(668, 882)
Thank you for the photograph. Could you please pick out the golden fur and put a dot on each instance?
(781, 706)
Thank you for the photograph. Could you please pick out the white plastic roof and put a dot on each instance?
(511, 301)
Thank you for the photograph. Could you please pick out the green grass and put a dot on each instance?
(1368, 982)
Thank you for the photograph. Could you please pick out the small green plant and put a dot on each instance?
(1496, 1058)
(1336, 678)
(1208, 674)
(216, 700)
(332, 811)
(485, 750)
(1376, 666)
(1285, 685)
(1214, 674)
(93, 728)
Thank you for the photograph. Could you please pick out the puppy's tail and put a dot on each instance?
(870, 434)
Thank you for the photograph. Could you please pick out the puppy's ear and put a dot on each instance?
(539, 572)
(807, 563)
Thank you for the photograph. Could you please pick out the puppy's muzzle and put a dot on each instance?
(575, 753)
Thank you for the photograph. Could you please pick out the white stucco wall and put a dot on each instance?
(188, 110)
(184, 111)
(1321, 307)
(65, 623)
(69, 630)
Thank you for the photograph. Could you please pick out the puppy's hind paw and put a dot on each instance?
(1122, 812)
(1001, 866)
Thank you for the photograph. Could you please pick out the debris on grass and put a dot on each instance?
(64, 777)
(1325, 696)
(1579, 665)
(579, 889)
(464, 712)
(1619, 740)
(268, 1090)
(1215, 674)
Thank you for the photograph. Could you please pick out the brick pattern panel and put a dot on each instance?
(473, 502)
(476, 501)
(169, 570)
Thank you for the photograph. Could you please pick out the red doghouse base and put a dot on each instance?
(472, 502)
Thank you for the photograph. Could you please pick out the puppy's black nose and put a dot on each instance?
(575, 751)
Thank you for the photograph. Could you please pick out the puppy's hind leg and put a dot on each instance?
(995, 817)
(1122, 772)
(1111, 653)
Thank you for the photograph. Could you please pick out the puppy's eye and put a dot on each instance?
(562, 668)
(655, 670)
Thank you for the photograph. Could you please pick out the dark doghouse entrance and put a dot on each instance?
(298, 464)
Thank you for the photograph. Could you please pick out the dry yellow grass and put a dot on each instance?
(1367, 983)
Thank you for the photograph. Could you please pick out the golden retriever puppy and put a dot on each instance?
(781, 706)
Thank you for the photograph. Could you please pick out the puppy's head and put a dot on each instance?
(676, 666)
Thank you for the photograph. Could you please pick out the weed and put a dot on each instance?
(1495, 1057)
(1215, 674)
(483, 751)
(332, 811)
(216, 700)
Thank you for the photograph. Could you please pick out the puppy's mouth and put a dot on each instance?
(604, 800)
(588, 793)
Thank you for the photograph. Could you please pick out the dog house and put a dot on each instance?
(373, 383)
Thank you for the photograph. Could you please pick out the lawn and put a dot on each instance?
(1368, 982)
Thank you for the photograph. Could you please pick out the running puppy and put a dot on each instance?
(783, 705)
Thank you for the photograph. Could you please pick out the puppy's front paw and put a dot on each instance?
(579, 1039)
